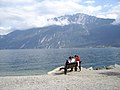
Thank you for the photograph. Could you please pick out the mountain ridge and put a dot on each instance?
(79, 18)
(80, 32)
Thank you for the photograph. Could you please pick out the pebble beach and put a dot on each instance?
(84, 80)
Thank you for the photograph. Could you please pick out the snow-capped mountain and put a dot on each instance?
(85, 20)
(78, 30)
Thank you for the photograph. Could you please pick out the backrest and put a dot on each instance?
(70, 65)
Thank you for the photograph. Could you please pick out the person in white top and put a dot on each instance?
(73, 59)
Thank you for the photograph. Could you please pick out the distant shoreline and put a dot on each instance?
(58, 48)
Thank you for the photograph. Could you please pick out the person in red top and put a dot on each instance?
(78, 60)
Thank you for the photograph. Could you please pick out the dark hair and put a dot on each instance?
(76, 56)
(70, 57)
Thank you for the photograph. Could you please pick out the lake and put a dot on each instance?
(40, 61)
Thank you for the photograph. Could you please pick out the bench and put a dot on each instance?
(69, 65)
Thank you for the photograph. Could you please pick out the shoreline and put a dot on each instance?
(56, 70)
(86, 80)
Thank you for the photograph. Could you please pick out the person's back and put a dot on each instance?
(73, 59)
(78, 59)
(70, 60)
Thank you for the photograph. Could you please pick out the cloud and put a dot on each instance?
(5, 30)
(89, 2)
(57, 8)
(113, 12)
(63, 7)
(116, 11)
(24, 14)
(15, 2)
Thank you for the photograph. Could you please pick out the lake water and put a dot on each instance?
(40, 61)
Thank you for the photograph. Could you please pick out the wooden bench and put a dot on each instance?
(68, 66)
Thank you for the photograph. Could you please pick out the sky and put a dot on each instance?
(25, 14)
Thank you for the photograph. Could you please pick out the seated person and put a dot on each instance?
(70, 60)
(73, 59)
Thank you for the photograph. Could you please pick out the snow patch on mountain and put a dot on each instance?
(43, 39)
(58, 21)
(78, 18)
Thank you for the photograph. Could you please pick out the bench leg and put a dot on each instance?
(71, 69)
(65, 71)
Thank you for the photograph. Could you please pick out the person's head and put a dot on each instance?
(70, 57)
(76, 56)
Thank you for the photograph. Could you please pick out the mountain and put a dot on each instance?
(85, 20)
(69, 31)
